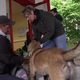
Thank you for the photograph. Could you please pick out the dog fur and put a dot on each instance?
(50, 61)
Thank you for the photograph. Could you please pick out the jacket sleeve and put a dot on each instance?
(37, 34)
(6, 54)
(15, 59)
(49, 24)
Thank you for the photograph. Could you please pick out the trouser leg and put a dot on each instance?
(8, 77)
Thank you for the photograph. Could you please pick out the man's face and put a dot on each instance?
(4, 28)
(30, 17)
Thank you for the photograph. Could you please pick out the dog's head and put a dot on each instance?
(34, 45)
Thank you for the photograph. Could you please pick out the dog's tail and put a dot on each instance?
(71, 54)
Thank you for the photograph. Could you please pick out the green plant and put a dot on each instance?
(70, 10)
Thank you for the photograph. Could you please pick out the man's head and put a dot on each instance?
(29, 13)
(54, 10)
(5, 22)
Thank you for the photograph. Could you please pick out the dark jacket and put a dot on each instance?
(8, 60)
(59, 17)
(47, 25)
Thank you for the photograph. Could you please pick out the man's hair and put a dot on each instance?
(28, 9)
(54, 9)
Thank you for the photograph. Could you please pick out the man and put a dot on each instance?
(47, 29)
(56, 14)
(8, 59)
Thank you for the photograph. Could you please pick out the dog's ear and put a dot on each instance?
(33, 45)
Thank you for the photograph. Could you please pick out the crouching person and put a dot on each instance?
(8, 59)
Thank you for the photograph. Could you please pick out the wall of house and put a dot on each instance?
(3, 7)
(20, 27)
(42, 6)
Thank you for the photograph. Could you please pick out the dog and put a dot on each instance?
(51, 61)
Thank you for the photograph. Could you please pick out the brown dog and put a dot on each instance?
(50, 61)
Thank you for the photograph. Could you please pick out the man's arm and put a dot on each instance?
(49, 24)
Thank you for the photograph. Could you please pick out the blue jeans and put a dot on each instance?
(59, 42)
